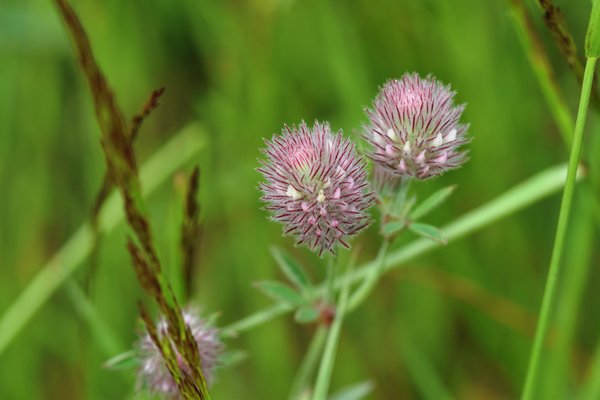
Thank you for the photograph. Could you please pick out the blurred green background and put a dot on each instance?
(237, 71)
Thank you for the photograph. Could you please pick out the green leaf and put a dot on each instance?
(232, 357)
(281, 292)
(429, 232)
(306, 315)
(391, 228)
(127, 360)
(357, 391)
(432, 202)
(291, 268)
(592, 39)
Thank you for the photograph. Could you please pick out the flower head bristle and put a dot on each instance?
(316, 186)
(414, 128)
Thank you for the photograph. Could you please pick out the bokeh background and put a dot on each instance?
(236, 71)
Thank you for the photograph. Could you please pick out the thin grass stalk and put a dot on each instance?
(542, 68)
(121, 162)
(557, 25)
(534, 50)
(190, 233)
(563, 219)
(545, 75)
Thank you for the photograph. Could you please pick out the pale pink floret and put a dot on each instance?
(316, 186)
(153, 373)
(414, 128)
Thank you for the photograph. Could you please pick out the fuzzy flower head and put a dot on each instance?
(153, 373)
(414, 128)
(316, 186)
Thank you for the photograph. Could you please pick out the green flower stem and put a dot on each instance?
(370, 280)
(563, 219)
(71, 256)
(328, 359)
(309, 364)
(534, 189)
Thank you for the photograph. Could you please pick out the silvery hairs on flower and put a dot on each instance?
(153, 373)
(316, 186)
(414, 128)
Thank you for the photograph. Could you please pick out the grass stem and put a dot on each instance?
(563, 219)
(542, 68)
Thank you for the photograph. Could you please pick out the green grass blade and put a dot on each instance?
(592, 38)
(563, 220)
(179, 150)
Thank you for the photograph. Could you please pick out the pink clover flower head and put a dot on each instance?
(414, 128)
(153, 373)
(316, 186)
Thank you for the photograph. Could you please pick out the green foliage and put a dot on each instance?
(281, 292)
(306, 314)
(428, 231)
(121, 163)
(392, 228)
(292, 269)
(234, 72)
(356, 391)
(126, 360)
(432, 202)
(592, 38)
